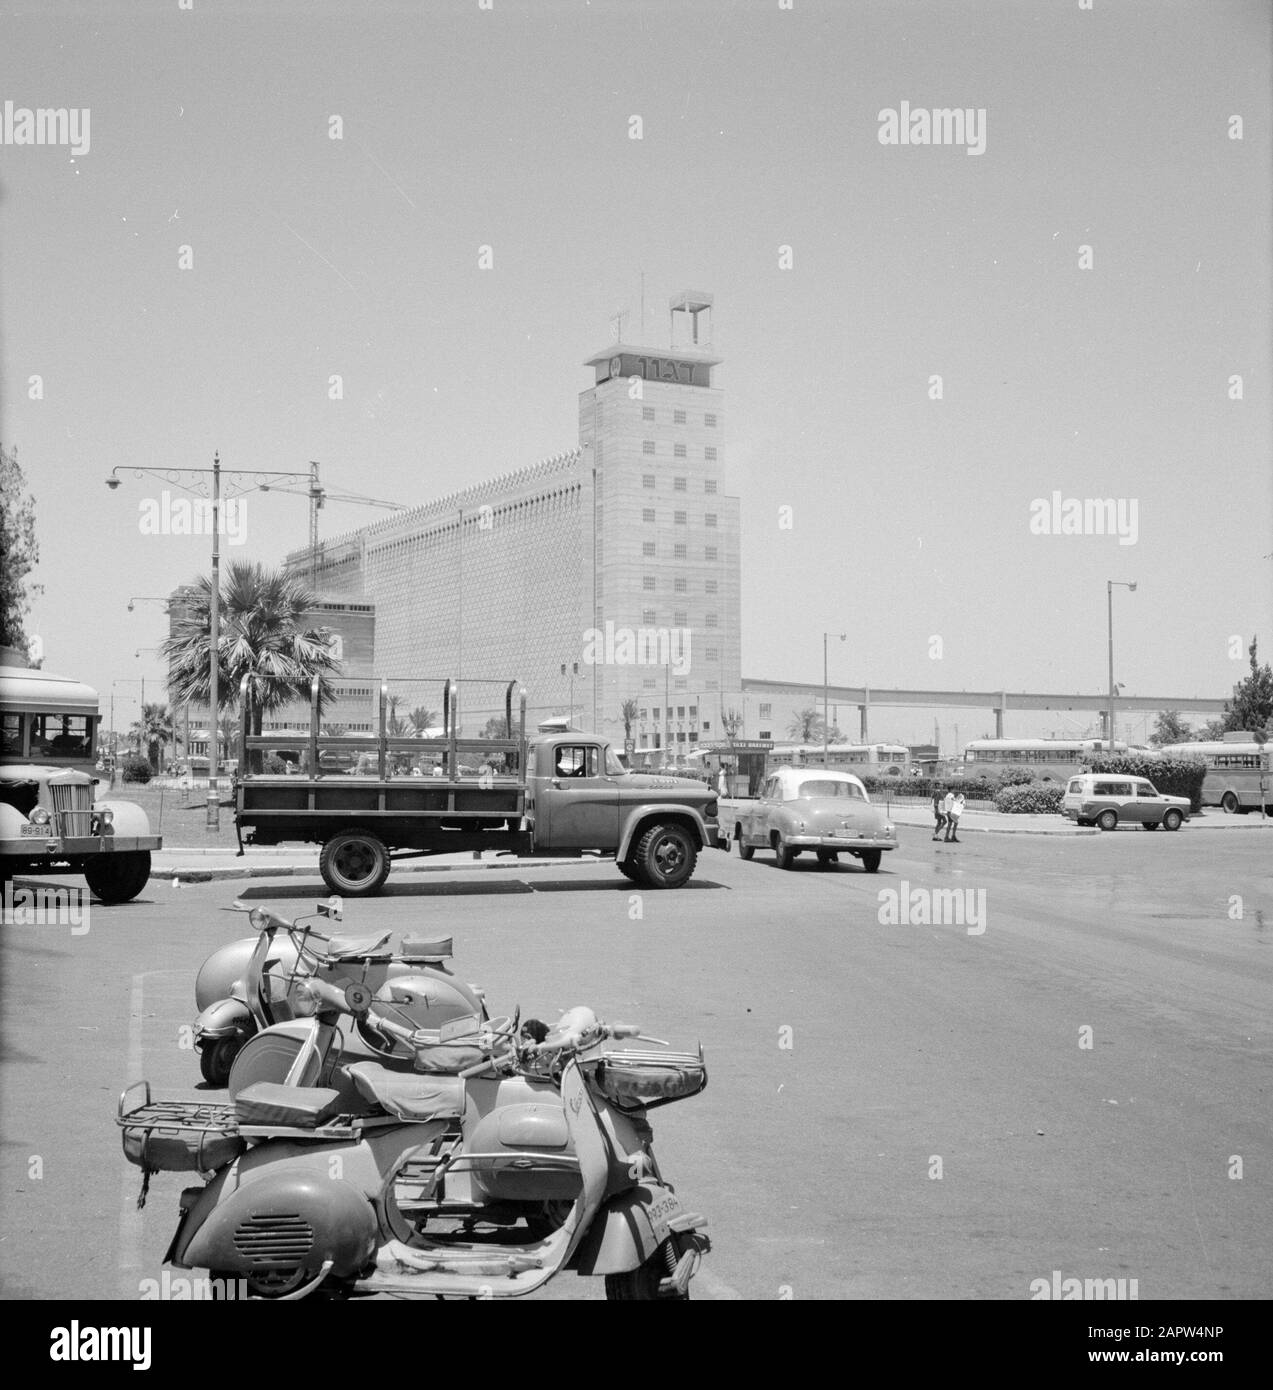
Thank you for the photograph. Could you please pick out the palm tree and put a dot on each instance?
(395, 725)
(628, 713)
(806, 726)
(153, 731)
(422, 720)
(261, 636)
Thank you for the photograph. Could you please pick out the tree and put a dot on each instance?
(1212, 731)
(153, 731)
(395, 725)
(1252, 704)
(496, 727)
(806, 726)
(19, 551)
(422, 720)
(628, 713)
(261, 636)
(1169, 727)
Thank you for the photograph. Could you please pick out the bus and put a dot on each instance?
(51, 821)
(1238, 772)
(861, 759)
(1049, 759)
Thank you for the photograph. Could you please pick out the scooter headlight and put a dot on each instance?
(258, 919)
(304, 1000)
(40, 816)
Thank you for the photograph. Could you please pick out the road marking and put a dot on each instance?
(130, 1219)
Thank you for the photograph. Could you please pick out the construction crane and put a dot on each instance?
(318, 495)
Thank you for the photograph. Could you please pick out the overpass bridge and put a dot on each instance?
(864, 696)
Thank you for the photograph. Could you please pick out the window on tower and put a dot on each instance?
(710, 453)
(710, 421)
(678, 417)
(647, 412)
(679, 484)
(678, 450)
(678, 518)
(647, 514)
(647, 548)
(647, 479)
(709, 519)
(647, 583)
(679, 551)
(710, 553)
(647, 446)
(709, 486)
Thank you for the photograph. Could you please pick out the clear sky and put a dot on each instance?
(1107, 128)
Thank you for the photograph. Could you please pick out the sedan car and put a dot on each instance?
(1108, 799)
(801, 808)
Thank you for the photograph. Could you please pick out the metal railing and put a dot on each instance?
(387, 748)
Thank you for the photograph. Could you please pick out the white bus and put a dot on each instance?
(869, 759)
(1049, 759)
(1238, 776)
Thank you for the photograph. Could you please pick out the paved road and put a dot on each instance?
(850, 1060)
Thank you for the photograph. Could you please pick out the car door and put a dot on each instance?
(578, 802)
(1149, 803)
(755, 827)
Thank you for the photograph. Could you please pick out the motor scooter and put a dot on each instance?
(245, 987)
(484, 1183)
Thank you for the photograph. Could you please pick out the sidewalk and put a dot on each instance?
(215, 865)
(999, 823)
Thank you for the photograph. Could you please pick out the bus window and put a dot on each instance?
(60, 735)
(11, 736)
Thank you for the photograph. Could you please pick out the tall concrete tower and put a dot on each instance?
(665, 628)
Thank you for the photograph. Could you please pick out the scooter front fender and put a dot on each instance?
(227, 1018)
(627, 1230)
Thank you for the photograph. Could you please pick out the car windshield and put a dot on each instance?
(825, 786)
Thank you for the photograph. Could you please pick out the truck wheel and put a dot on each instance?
(1230, 804)
(118, 878)
(629, 870)
(354, 863)
(665, 856)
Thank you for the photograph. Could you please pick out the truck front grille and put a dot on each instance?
(73, 807)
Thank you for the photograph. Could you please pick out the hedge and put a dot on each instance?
(973, 788)
(1171, 776)
(137, 769)
(1031, 799)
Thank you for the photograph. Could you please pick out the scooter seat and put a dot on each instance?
(357, 947)
(299, 1107)
(423, 948)
(408, 1095)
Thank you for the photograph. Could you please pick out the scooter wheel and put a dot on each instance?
(643, 1282)
(216, 1059)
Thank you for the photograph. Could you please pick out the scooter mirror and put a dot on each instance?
(334, 908)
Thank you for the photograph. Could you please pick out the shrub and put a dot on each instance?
(973, 788)
(136, 769)
(1171, 776)
(1015, 777)
(1031, 799)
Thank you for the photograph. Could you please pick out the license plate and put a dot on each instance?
(33, 830)
(660, 1213)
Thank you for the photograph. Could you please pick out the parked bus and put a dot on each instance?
(1049, 759)
(861, 759)
(1238, 772)
(50, 819)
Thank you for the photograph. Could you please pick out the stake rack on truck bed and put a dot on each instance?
(557, 794)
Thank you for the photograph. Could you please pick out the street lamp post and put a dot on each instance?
(826, 728)
(174, 476)
(1109, 601)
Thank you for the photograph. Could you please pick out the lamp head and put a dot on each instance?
(112, 482)
(1132, 586)
(130, 605)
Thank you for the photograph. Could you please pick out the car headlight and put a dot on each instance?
(40, 816)
(106, 816)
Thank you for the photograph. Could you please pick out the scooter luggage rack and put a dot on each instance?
(181, 1118)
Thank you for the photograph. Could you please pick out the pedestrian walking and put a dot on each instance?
(939, 814)
(947, 805)
(952, 821)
